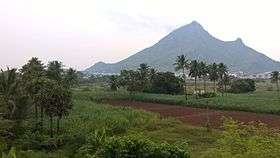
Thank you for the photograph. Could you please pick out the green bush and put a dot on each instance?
(245, 141)
(135, 146)
(165, 83)
(243, 86)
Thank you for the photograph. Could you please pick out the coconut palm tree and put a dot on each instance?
(275, 77)
(71, 77)
(213, 74)
(14, 103)
(114, 82)
(30, 76)
(9, 89)
(182, 64)
(222, 73)
(203, 73)
(195, 72)
(55, 70)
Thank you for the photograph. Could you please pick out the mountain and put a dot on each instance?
(196, 43)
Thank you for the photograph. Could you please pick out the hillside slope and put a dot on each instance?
(196, 43)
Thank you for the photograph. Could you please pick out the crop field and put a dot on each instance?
(89, 116)
(263, 100)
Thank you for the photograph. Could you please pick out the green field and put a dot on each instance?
(87, 117)
(260, 101)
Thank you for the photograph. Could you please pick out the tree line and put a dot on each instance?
(201, 70)
(147, 79)
(35, 91)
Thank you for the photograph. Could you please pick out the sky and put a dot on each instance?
(82, 32)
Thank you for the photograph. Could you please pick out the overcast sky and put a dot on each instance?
(82, 32)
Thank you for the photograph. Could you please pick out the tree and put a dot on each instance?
(113, 82)
(55, 70)
(62, 102)
(222, 73)
(166, 83)
(131, 80)
(14, 104)
(195, 72)
(275, 77)
(203, 73)
(183, 64)
(213, 74)
(30, 75)
(71, 77)
(144, 72)
(56, 100)
(243, 86)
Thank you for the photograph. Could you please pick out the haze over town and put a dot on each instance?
(85, 32)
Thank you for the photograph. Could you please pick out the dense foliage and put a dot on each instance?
(34, 90)
(134, 146)
(165, 83)
(146, 79)
(243, 86)
(246, 141)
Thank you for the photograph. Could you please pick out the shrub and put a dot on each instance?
(135, 146)
(245, 141)
(243, 86)
(165, 83)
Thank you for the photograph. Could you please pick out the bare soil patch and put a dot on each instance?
(199, 116)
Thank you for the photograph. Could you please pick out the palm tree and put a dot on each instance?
(275, 77)
(71, 77)
(183, 64)
(30, 76)
(55, 70)
(203, 73)
(114, 82)
(9, 89)
(14, 103)
(195, 72)
(144, 75)
(222, 73)
(213, 74)
(62, 103)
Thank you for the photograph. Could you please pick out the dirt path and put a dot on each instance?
(198, 116)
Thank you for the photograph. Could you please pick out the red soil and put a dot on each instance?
(198, 116)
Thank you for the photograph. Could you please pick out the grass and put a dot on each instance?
(88, 116)
(260, 101)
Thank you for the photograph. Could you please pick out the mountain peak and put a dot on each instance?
(194, 25)
(186, 39)
(239, 41)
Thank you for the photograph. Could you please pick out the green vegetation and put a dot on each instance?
(243, 86)
(146, 79)
(261, 101)
(32, 99)
(245, 141)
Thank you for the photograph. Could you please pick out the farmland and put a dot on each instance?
(260, 101)
(47, 112)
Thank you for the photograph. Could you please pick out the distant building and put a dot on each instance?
(240, 74)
